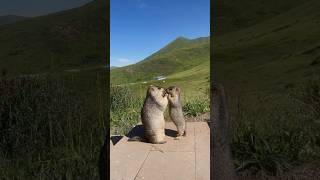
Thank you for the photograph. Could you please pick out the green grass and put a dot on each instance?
(49, 129)
(196, 107)
(275, 133)
(127, 102)
(230, 16)
(125, 107)
(265, 65)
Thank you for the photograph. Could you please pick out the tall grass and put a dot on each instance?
(125, 108)
(48, 130)
(276, 132)
(195, 107)
(126, 104)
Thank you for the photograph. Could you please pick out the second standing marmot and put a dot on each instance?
(175, 109)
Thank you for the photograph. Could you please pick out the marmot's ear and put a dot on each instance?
(178, 89)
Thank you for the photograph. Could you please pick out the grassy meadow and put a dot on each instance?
(268, 61)
(126, 103)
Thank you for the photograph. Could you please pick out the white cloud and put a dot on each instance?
(122, 62)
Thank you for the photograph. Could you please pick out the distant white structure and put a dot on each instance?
(159, 78)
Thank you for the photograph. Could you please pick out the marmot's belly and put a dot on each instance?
(154, 122)
(177, 116)
(154, 127)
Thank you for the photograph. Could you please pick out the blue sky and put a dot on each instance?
(139, 28)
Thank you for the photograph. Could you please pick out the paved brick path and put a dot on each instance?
(184, 159)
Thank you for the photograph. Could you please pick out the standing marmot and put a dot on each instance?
(175, 110)
(152, 114)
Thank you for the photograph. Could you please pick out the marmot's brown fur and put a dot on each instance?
(175, 109)
(152, 114)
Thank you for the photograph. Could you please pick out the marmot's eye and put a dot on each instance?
(170, 89)
(159, 88)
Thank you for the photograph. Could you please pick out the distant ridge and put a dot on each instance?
(180, 55)
(113, 67)
(8, 19)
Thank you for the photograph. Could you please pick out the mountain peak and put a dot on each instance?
(181, 38)
(184, 39)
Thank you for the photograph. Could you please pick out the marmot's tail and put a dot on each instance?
(137, 138)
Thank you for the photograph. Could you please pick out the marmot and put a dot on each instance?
(175, 110)
(152, 114)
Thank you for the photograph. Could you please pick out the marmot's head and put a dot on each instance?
(173, 91)
(156, 91)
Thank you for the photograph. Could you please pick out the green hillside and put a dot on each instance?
(268, 59)
(64, 40)
(178, 56)
(53, 94)
(273, 53)
(234, 15)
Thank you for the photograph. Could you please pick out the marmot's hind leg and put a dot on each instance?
(181, 131)
(184, 133)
